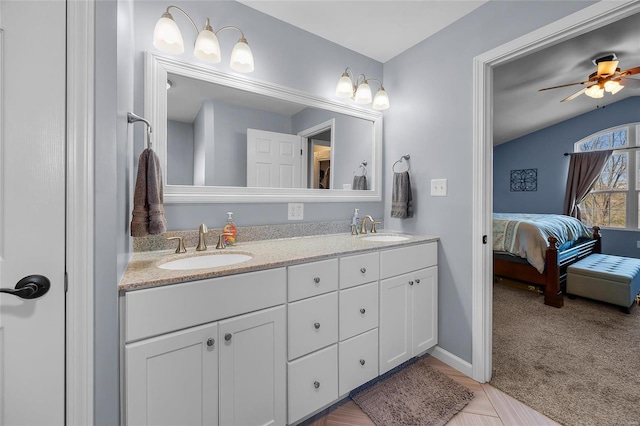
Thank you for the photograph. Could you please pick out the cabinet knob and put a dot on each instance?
(362, 362)
(316, 280)
(227, 337)
(317, 325)
(363, 270)
(316, 384)
(410, 282)
(210, 341)
(417, 280)
(362, 311)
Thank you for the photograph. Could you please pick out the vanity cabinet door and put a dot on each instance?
(253, 369)
(173, 379)
(424, 309)
(394, 328)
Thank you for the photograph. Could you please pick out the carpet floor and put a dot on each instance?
(579, 365)
(417, 395)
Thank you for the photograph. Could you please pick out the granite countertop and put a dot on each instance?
(143, 271)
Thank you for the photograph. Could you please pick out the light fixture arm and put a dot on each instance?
(228, 27)
(195, 27)
(375, 79)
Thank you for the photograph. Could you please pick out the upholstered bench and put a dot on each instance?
(611, 279)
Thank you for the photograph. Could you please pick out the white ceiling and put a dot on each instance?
(378, 29)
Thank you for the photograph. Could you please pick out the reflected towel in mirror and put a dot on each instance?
(148, 208)
(401, 198)
(359, 182)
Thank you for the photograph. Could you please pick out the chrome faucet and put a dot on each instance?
(202, 245)
(363, 223)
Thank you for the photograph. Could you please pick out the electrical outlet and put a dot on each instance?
(295, 211)
(438, 187)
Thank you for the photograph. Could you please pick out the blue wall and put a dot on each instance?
(543, 150)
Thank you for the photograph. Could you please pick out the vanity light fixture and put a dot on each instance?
(168, 38)
(360, 91)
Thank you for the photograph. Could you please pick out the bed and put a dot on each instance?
(538, 248)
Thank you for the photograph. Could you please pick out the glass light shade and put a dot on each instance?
(241, 57)
(613, 87)
(207, 46)
(594, 91)
(167, 36)
(363, 94)
(344, 89)
(381, 100)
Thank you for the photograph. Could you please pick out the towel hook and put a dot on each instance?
(133, 118)
(363, 166)
(404, 157)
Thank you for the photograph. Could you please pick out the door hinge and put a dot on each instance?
(300, 152)
(66, 282)
(484, 239)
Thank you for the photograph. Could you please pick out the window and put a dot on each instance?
(613, 200)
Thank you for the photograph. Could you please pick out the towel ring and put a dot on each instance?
(363, 167)
(404, 157)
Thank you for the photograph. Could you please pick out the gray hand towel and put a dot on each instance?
(359, 182)
(401, 199)
(148, 208)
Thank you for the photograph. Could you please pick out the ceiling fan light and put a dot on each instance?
(594, 91)
(167, 36)
(344, 89)
(613, 87)
(207, 46)
(241, 56)
(381, 100)
(363, 94)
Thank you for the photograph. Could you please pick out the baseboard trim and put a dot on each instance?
(452, 361)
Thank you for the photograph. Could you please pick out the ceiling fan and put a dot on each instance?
(608, 78)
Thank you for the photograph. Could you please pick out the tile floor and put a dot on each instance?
(489, 407)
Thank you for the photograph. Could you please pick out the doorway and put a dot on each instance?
(318, 149)
(583, 21)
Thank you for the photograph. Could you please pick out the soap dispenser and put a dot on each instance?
(229, 231)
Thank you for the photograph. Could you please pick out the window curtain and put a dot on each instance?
(584, 169)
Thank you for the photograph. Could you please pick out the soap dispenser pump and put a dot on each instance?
(229, 231)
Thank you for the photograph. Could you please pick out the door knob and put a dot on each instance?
(30, 287)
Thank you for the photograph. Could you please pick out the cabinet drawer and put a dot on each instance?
(313, 324)
(311, 279)
(406, 259)
(358, 361)
(159, 310)
(358, 310)
(313, 382)
(360, 269)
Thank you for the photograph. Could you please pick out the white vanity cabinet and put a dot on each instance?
(229, 371)
(408, 303)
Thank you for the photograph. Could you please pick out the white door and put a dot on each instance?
(425, 309)
(253, 369)
(274, 160)
(32, 214)
(395, 326)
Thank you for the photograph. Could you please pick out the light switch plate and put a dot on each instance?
(438, 187)
(295, 211)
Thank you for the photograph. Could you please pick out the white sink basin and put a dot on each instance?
(385, 238)
(209, 261)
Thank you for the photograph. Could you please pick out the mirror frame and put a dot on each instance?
(155, 100)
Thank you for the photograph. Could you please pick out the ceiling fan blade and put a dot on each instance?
(564, 85)
(575, 95)
(630, 71)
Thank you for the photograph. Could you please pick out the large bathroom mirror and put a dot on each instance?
(227, 138)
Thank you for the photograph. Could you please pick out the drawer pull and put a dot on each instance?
(362, 311)
(363, 270)
(316, 384)
(362, 362)
(316, 280)
(227, 337)
(210, 341)
(317, 325)
(410, 282)
(417, 280)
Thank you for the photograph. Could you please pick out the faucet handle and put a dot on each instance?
(373, 226)
(180, 248)
(221, 243)
(354, 229)
(203, 228)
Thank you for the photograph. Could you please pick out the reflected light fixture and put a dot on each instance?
(168, 38)
(360, 91)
